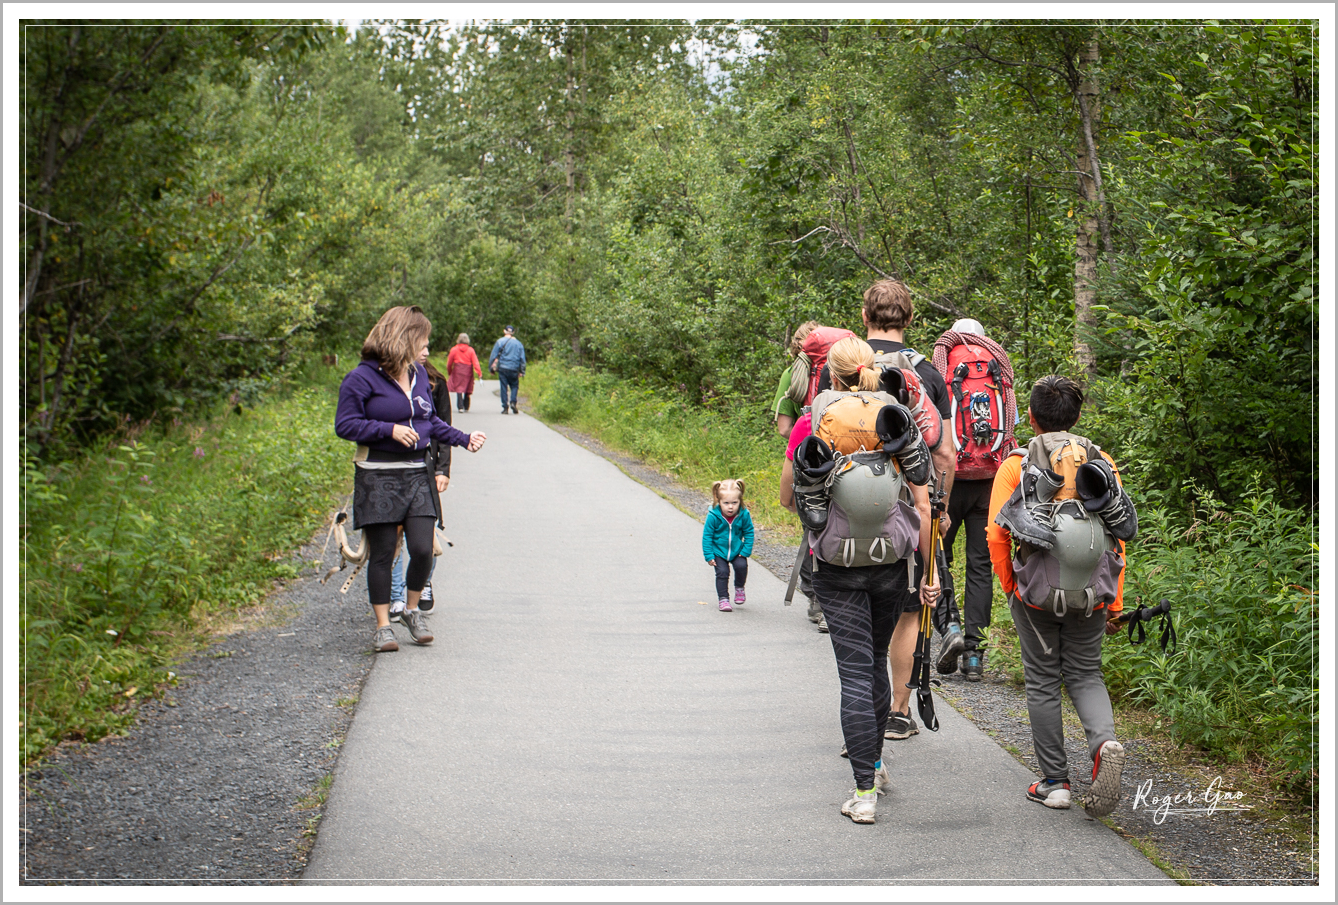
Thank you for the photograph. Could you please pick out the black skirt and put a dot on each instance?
(390, 495)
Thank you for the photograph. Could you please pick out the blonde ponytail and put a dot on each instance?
(852, 367)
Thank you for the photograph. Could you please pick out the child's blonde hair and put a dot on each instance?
(852, 367)
(727, 485)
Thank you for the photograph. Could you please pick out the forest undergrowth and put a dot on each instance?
(132, 552)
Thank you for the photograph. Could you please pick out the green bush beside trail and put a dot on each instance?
(1242, 683)
(695, 445)
(124, 549)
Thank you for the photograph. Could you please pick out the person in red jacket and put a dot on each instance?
(462, 366)
(1057, 647)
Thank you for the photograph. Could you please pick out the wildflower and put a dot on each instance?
(145, 479)
(78, 567)
(199, 452)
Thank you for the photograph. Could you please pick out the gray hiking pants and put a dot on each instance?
(1067, 648)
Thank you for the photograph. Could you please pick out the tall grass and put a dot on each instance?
(125, 549)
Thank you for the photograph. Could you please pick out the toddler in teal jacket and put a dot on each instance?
(727, 540)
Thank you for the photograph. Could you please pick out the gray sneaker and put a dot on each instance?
(822, 623)
(416, 623)
(383, 640)
(900, 725)
(814, 611)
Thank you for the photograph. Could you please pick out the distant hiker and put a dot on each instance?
(385, 406)
(785, 411)
(727, 540)
(462, 366)
(855, 472)
(439, 460)
(1059, 519)
(888, 313)
(507, 361)
(984, 412)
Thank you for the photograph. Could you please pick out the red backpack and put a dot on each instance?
(980, 380)
(807, 368)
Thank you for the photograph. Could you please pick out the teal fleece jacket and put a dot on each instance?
(722, 540)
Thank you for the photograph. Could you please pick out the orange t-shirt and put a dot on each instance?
(1000, 540)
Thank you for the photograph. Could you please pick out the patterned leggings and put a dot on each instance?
(862, 606)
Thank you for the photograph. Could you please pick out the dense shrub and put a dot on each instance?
(124, 549)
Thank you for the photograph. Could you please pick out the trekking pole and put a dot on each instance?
(1142, 614)
(921, 678)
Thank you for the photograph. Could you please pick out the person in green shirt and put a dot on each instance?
(784, 409)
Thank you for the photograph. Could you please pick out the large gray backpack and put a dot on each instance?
(1068, 557)
(871, 518)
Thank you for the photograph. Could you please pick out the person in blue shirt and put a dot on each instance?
(727, 540)
(507, 361)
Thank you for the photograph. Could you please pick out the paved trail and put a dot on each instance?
(582, 716)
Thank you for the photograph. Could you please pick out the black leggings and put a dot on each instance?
(862, 606)
(381, 544)
(722, 565)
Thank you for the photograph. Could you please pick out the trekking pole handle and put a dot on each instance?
(1144, 613)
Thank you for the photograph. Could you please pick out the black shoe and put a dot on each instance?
(506, 411)
(951, 648)
(514, 410)
(1018, 519)
(900, 725)
(902, 440)
(973, 665)
(813, 463)
(425, 602)
(1100, 493)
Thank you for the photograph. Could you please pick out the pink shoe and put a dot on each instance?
(739, 598)
(724, 605)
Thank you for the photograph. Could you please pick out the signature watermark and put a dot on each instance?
(1211, 800)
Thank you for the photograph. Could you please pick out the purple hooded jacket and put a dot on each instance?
(371, 404)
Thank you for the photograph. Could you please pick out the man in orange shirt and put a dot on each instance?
(1060, 631)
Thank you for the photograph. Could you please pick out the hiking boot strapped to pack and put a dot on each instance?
(813, 466)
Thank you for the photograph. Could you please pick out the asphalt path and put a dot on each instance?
(586, 714)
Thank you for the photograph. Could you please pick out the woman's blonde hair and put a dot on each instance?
(800, 334)
(395, 340)
(852, 367)
(727, 485)
(462, 339)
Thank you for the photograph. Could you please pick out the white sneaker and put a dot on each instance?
(396, 610)
(860, 808)
(882, 782)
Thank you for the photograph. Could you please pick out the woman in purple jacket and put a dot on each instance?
(386, 407)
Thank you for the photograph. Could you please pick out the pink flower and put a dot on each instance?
(145, 479)
(199, 453)
(78, 567)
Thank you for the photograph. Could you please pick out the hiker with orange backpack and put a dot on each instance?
(979, 377)
(912, 379)
(855, 474)
(1060, 518)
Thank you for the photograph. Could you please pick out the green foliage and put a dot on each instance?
(1242, 583)
(679, 439)
(123, 549)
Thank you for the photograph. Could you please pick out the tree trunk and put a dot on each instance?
(1087, 215)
